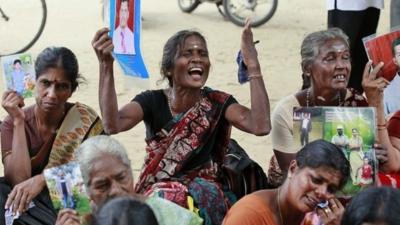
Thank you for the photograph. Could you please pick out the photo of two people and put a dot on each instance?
(351, 129)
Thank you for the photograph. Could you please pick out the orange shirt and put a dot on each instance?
(250, 210)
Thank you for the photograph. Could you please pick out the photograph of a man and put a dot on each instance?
(340, 139)
(123, 38)
(391, 93)
(305, 128)
(18, 76)
(64, 189)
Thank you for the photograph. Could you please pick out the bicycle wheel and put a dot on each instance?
(25, 24)
(188, 6)
(260, 11)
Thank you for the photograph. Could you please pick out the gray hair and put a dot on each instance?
(313, 42)
(96, 146)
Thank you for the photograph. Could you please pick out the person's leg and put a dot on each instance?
(394, 13)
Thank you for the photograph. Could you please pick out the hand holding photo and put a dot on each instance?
(66, 187)
(19, 74)
(384, 48)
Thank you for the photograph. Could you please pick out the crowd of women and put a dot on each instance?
(188, 129)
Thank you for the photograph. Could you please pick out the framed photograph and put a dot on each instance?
(384, 48)
(352, 129)
(67, 189)
(19, 73)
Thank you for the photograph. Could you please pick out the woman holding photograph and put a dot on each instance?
(42, 135)
(326, 66)
(317, 172)
(187, 124)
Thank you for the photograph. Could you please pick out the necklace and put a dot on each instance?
(169, 102)
(279, 207)
(320, 98)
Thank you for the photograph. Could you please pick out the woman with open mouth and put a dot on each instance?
(187, 124)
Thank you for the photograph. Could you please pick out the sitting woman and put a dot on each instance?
(42, 135)
(107, 174)
(373, 206)
(187, 125)
(325, 61)
(319, 170)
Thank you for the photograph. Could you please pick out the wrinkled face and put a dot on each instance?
(123, 14)
(109, 178)
(396, 58)
(192, 64)
(308, 186)
(52, 90)
(331, 68)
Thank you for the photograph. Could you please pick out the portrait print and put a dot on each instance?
(123, 35)
(351, 129)
(66, 188)
(380, 49)
(19, 74)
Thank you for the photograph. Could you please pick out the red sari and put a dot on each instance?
(184, 158)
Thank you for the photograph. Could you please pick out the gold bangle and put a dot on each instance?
(250, 77)
(382, 128)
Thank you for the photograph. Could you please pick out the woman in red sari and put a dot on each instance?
(187, 124)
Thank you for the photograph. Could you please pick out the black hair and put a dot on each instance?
(62, 58)
(321, 153)
(17, 61)
(125, 211)
(171, 48)
(374, 205)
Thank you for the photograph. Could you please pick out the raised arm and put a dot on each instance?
(114, 120)
(373, 87)
(17, 163)
(257, 119)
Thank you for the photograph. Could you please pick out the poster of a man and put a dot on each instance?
(123, 37)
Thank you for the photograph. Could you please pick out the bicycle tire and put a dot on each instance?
(38, 33)
(188, 8)
(240, 21)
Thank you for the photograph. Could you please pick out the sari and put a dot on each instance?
(392, 179)
(79, 123)
(183, 160)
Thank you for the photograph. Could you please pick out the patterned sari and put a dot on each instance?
(183, 159)
(78, 124)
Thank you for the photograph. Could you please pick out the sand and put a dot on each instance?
(73, 23)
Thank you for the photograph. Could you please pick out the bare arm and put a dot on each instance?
(373, 87)
(17, 164)
(114, 120)
(257, 119)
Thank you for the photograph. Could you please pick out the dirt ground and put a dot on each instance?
(73, 23)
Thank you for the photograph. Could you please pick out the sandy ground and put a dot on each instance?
(73, 23)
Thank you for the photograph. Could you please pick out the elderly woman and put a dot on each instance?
(106, 171)
(325, 61)
(319, 170)
(42, 135)
(187, 124)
